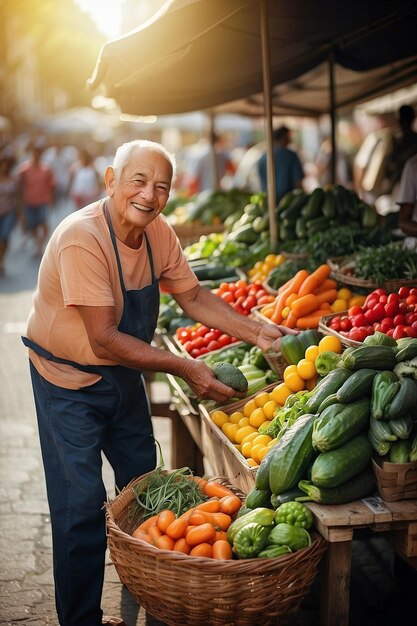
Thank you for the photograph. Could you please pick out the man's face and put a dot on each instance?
(141, 190)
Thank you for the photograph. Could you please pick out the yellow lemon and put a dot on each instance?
(246, 448)
(339, 305)
(356, 301)
(243, 422)
(251, 462)
(306, 369)
(344, 294)
(242, 432)
(280, 393)
(235, 417)
(272, 442)
(261, 398)
(311, 353)
(269, 408)
(295, 382)
(264, 424)
(238, 447)
(290, 369)
(257, 417)
(230, 431)
(257, 451)
(249, 438)
(249, 408)
(219, 418)
(330, 343)
(262, 439)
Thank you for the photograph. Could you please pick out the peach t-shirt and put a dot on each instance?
(79, 268)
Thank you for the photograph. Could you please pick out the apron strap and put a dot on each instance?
(90, 369)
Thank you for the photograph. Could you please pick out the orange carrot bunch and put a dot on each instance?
(200, 531)
(303, 300)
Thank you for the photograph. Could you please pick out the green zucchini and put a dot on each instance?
(258, 497)
(286, 496)
(310, 337)
(357, 487)
(381, 430)
(381, 446)
(400, 452)
(329, 209)
(291, 349)
(293, 211)
(404, 400)
(332, 431)
(333, 467)
(329, 401)
(330, 384)
(401, 427)
(378, 357)
(292, 455)
(262, 473)
(357, 386)
(312, 209)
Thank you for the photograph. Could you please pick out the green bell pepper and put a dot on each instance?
(295, 514)
(250, 540)
(272, 552)
(326, 362)
(294, 537)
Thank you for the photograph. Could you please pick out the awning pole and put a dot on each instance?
(333, 155)
(213, 159)
(267, 89)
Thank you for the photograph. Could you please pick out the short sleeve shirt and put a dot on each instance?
(408, 185)
(79, 268)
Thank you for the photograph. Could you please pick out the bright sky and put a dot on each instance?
(106, 14)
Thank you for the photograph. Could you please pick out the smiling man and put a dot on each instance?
(89, 337)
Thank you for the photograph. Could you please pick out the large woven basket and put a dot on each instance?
(342, 270)
(395, 481)
(191, 232)
(324, 329)
(194, 591)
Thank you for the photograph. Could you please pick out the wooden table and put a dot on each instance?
(337, 524)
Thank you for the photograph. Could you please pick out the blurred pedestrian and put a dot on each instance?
(207, 171)
(84, 180)
(36, 185)
(407, 198)
(404, 145)
(8, 205)
(288, 170)
(59, 157)
(323, 165)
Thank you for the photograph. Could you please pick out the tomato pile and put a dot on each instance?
(243, 297)
(394, 314)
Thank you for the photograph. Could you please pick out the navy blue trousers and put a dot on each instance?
(112, 417)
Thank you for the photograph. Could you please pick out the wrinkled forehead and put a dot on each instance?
(149, 162)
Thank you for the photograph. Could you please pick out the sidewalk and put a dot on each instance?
(382, 590)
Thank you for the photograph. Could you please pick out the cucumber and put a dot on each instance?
(381, 446)
(291, 349)
(357, 386)
(310, 337)
(258, 497)
(329, 401)
(382, 430)
(314, 203)
(333, 431)
(357, 487)
(330, 384)
(293, 211)
(292, 455)
(401, 427)
(400, 452)
(262, 473)
(378, 357)
(404, 400)
(333, 467)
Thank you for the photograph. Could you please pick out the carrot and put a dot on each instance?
(187, 514)
(290, 321)
(222, 550)
(304, 305)
(177, 528)
(201, 482)
(220, 534)
(329, 295)
(182, 546)
(325, 306)
(212, 506)
(165, 543)
(315, 279)
(200, 534)
(311, 320)
(291, 298)
(230, 504)
(164, 519)
(292, 286)
(329, 283)
(141, 534)
(202, 549)
(198, 518)
(154, 533)
(151, 521)
(217, 490)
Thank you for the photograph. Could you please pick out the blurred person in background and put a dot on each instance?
(201, 173)
(8, 204)
(404, 145)
(89, 333)
(407, 198)
(36, 186)
(288, 170)
(84, 180)
(59, 158)
(323, 165)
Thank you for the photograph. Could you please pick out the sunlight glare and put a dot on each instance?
(105, 13)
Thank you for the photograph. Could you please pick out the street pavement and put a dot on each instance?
(382, 590)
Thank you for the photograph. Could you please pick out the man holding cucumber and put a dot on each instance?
(89, 337)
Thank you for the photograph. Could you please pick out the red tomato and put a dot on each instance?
(390, 332)
(345, 324)
(211, 336)
(355, 310)
(404, 292)
(241, 292)
(184, 335)
(399, 332)
(228, 296)
(213, 345)
(413, 291)
(249, 303)
(410, 318)
(411, 300)
(195, 352)
(201, 331)
(203, 350)
(359, 320)
(358, 333)
(388, 321)
(411, 332)
(393, 297)
(383, 299)
(266, 299)
(254, 288)
(198, 342)
(224, 340)
(403, 306)
(399, 320)
(260, 293)
(392, 308)
(370, 301)
(380, 292)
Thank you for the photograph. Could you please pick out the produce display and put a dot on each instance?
(209, 207)
(394, 314)
(382, 263)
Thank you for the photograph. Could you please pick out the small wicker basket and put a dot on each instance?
(191, 591)
(395, 481)
(324, 329)
(343, 268)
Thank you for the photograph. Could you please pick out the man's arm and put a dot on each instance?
(407, 225)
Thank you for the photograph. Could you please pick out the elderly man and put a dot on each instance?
(89, 337)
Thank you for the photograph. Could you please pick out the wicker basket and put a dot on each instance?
(191, 591)
(343, 266)
(395, 481)
(324, 329)
(190, 233)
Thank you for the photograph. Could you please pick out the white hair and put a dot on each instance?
(124, 151)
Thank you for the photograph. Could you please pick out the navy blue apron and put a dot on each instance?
(74, 426)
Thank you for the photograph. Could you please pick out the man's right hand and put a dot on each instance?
(205, 385)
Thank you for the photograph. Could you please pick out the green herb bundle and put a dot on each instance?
(385, 263)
